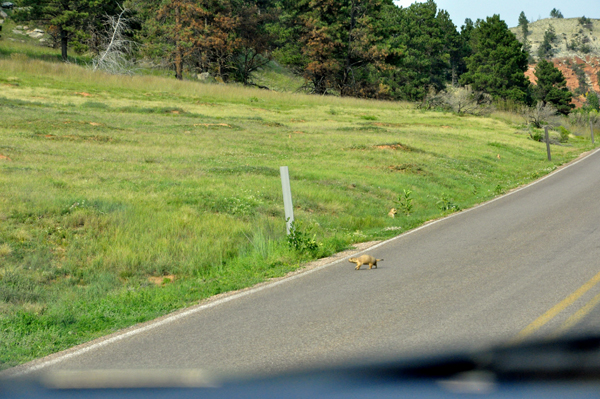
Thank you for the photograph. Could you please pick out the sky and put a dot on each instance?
(509, 10)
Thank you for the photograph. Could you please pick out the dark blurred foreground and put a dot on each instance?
(568, 368)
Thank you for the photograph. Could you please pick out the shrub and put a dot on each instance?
(564, 134)
(462, 100)
(446, 204)
(586, 22)
(536, 135)
(301, 240)
(592, 102)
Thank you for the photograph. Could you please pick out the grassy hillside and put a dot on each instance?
(124, 198)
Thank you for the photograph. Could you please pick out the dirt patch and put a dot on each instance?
(385, 124)
(212, 124)
(83, 94)
(407, 168)
(4, 158)
(161, 280)
(74, 137)
(396, 146)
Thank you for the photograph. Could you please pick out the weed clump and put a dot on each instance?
(301, 240)
(405, 202)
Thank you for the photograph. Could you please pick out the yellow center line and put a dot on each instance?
(580, 314)
(559, 307)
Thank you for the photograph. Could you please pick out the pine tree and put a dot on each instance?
(340, 44)
(256, 41)
(555, 13)
(69, 17)
(176, 29)
(430, 51)
(197, 33)
(524, 25)
(498, 62)
(592, 102)
(551, 87)
(545, 49)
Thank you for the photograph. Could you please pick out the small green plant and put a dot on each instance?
(5, 250)
(536, 134)
(301, 240)
(405, 202)
(564, 134)
(253, 99)
(498, 190)
(368, 117)
(446, 204)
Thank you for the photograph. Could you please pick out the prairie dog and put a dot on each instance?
(392, 213)
(364, 260)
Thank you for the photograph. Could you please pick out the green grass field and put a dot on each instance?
(125, 198)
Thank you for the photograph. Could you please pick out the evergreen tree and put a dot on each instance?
(524, 25)
(430, 49)
(340, 43)
(464, 49)
(256, 41)
(286, 37)
(592, 102)
(545, 49)
(551, 87)
(498, 63)
(198, 33)
(555, 13)
(453, 46)
(175, 27)
(69, 17)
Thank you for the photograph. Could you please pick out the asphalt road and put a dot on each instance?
(523, 266)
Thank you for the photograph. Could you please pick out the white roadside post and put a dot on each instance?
(547, 143)
(287, 197)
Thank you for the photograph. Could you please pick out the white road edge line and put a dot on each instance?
(23, 370)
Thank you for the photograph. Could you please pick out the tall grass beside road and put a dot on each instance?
(125, 198)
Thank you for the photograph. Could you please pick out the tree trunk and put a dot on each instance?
(454, 74)
(178, 63)
(64, 41)
(178, 53)
(347, 70)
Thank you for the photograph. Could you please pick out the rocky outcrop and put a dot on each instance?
(581, 74)
(572, 37)
(575, 52)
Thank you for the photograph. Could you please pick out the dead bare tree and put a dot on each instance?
(540, 115)
(116, 46)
